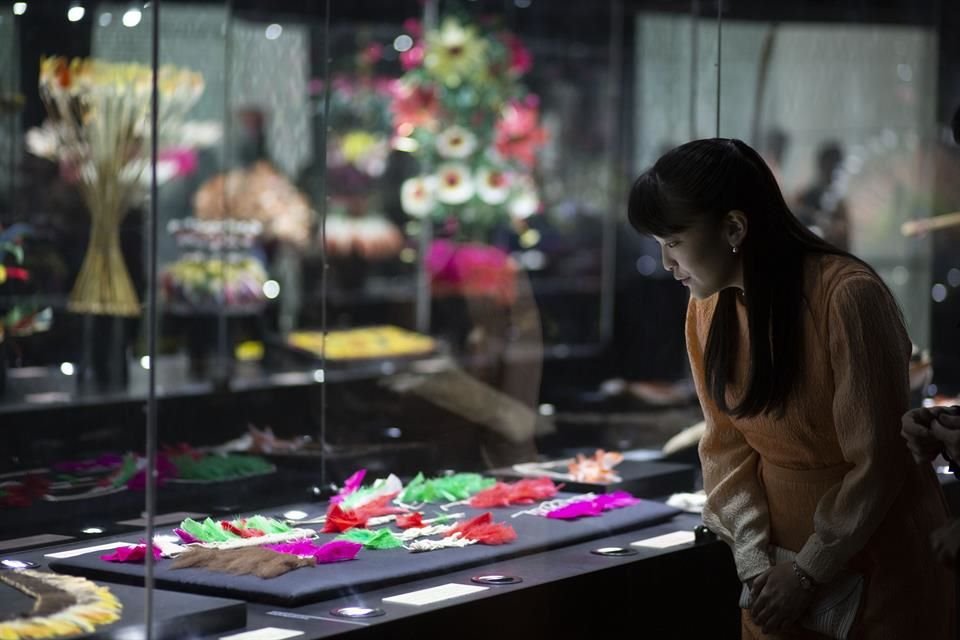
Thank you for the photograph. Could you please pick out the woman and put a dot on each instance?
(800, 359)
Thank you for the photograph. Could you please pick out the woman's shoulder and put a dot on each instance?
(838, 281)
(829, 273)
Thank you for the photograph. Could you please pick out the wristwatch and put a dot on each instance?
(806, 582)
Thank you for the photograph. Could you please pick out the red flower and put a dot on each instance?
(520, 59)
(415, 105)
(518, 135)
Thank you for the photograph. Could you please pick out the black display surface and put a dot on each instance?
(373, 569)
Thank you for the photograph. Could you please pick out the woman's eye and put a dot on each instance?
(672, 244)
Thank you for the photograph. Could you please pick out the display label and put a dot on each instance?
(266, 633)
(666, 540)
(435, 594)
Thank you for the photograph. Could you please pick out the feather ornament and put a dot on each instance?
(259, 561)
(504, 494)
(350, 486)
(133, 554)
(334, 551)
(593, 507)
(410, 520)
(65, 605)
(390, 485)
(377, 540)
(459, 486)
(340, 520)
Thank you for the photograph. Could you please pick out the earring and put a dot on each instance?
(734, 248)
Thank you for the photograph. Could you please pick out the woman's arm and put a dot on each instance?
(736, 507)
(870, 352)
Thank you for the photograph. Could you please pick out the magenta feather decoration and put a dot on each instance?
(351, 484)
(593, 507)
(584, 508)
(335, 551)
(616, 500)
(132, 553)
(185, 537)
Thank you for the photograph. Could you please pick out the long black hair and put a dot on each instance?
(700, 182)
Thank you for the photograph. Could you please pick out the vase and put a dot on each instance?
(103, 286)
(104, 360)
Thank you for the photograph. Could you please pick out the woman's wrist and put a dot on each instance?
(807, 583)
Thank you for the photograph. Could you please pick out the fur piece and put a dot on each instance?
(258, 561)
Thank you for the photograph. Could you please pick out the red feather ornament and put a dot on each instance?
(505, 494)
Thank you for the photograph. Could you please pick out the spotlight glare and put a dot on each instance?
(132, 17)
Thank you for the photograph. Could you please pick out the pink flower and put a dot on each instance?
(413, 27)
(182, 161)
(412, 57)
(518, 135)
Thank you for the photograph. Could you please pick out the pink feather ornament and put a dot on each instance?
(134, 553)
(350, 485)
(594, 506)
(335, 551)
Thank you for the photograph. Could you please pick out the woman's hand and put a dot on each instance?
(778, 598)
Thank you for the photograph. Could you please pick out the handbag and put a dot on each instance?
(835, 608)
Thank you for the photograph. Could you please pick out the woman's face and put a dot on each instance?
(701, 258)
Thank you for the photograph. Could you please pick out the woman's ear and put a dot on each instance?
(735, 227)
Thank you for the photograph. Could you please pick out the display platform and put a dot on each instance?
(372, 569)
(175, 615)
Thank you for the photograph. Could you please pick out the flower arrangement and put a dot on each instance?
(462, 110)
(218, 269)
(99, 130)
(358, 144)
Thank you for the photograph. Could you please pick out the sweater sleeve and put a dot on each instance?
(736, 506)
(870, 353)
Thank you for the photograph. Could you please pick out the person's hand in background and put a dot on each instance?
(946, 541)
(916, 429)
(946, 429)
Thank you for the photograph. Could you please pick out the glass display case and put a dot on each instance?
(293, 283)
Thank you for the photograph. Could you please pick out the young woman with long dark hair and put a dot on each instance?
(800, 359)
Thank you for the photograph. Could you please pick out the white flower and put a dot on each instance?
(493, 185)
(417, 195)
(43, 141)
(454, 183)
(525, 202)
(456, 142)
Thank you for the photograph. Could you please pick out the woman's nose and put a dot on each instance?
(667, 260)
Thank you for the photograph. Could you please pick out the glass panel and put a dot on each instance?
(850, 116)
(74, 175)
